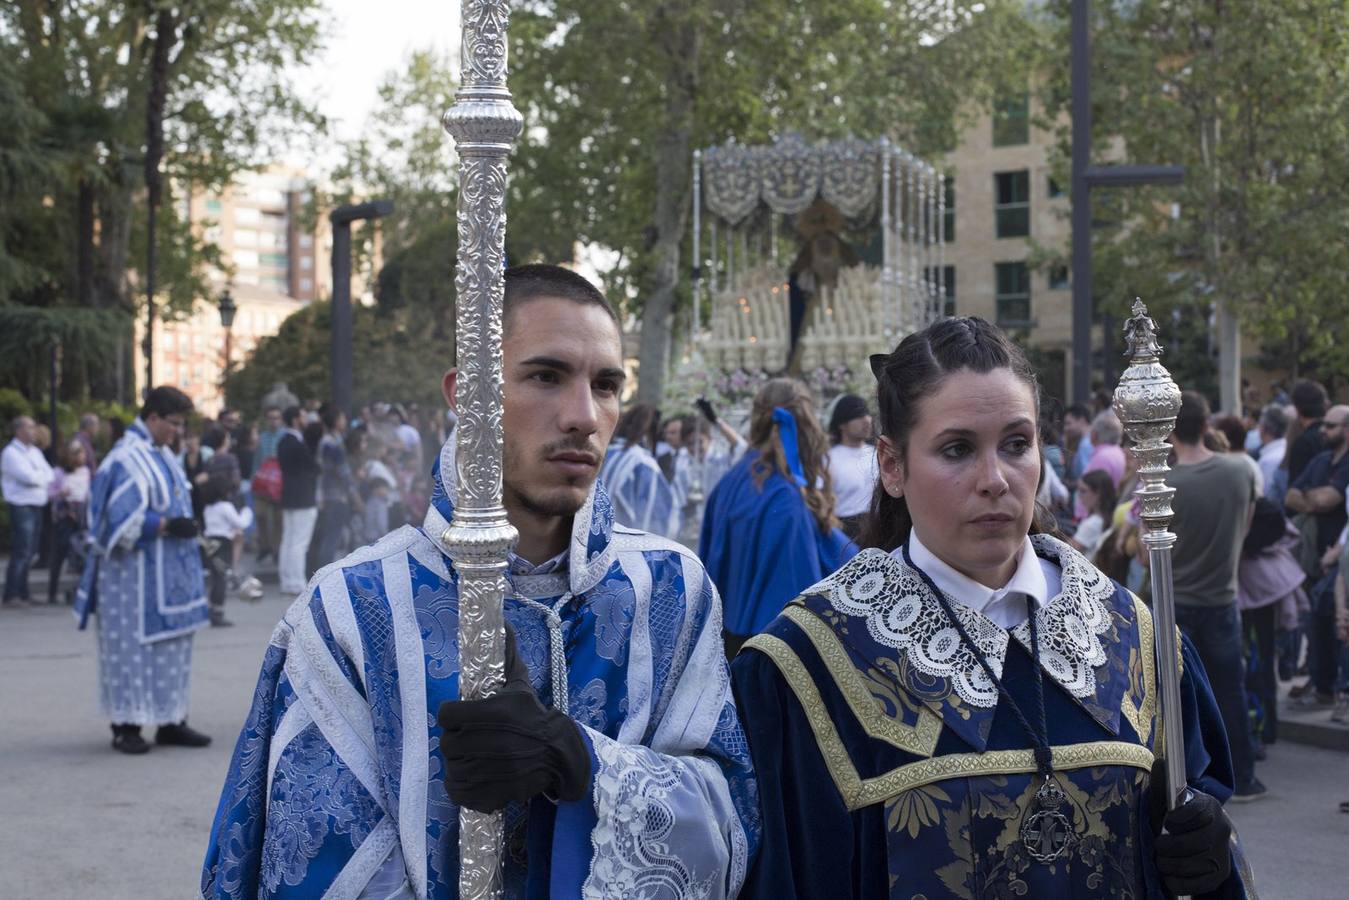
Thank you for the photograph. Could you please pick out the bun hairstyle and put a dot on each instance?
(915, 370)
(812, 444)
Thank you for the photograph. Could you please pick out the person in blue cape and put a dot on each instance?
(769, 529)
(143, 578)
(641, 494)
(969, 708)
(614, 750)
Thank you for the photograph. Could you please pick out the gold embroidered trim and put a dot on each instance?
(997, 762)
(920, 739)
(836, 758)
(858, 792)
(1142, 715)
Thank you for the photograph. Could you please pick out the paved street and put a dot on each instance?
(81, 820)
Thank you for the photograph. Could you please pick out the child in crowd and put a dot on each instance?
(378, 488)
(224, 543)
(1096, 491)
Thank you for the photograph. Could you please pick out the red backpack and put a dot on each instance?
(267, 480)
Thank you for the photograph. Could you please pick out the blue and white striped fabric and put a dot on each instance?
(336, 788)
(642, 497)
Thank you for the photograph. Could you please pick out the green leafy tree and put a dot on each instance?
(1251, 98)
(227, 105)
(393, 363)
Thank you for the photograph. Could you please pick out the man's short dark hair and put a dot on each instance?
(165, 401)
(1234, 430)
(290, 415)
(1078, 411)
(1310, 399)
(1192, 420)
(525, 283)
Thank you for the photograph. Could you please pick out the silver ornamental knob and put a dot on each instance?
(1146, 401)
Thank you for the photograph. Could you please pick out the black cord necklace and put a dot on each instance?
(1045, 831)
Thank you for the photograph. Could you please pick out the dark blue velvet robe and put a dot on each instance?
(878, 780)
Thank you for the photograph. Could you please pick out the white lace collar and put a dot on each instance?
(901, 612)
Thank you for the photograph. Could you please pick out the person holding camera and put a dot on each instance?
(144, 579)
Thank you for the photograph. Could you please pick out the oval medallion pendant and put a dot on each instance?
(1045, 831)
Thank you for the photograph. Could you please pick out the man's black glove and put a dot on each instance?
(1193, 852)
(510, 747)
(181, 527)
(706, 409)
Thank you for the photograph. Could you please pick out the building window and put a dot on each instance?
(1011, 119)
(949, 226)
(1058, 278)
(948, 287)
(306, 262)
(1012, 210)
(306, 240)
(274, 260)
(306, 284)
(1013, 297)
(1053, 188)
(245, 237)
(214, 206)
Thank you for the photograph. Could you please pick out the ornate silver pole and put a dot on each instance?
(695, 320)
(484, 124)
(941, 240)
(888, 306)
(1146, 401)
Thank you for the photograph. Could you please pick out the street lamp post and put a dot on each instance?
(227, 308)
(342, 328)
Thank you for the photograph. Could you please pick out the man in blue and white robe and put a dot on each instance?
(641, 494)
(337, 786)
(144, 579)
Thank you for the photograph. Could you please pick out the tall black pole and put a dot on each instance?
(342, 330)
(341, 317)
(1081, 200)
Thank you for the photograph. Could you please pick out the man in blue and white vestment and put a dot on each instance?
(143, 577)
(347, 778)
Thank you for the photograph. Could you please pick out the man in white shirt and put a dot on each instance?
(26, 477)
(851, 461)
(1273, 443)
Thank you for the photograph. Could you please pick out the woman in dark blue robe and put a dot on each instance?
(969, 708)
(769, 529)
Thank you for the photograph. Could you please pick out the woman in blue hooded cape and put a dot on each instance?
(769, 529)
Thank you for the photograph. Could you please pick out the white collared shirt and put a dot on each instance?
(1036, 578)
(26, 474)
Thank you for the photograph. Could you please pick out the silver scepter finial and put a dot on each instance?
(484, 123)
(1147, 401)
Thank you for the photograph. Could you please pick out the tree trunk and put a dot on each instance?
(672, 201)
(165, 37)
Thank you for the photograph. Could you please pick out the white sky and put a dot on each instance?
(367, 39)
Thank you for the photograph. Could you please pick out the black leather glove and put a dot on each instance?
(510, 747)
(181, 527)
(1193, 852)
(706, 409)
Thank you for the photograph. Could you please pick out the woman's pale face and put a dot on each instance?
(970, 472)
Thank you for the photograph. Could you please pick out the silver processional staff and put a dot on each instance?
(484, 123)
(1147, 401)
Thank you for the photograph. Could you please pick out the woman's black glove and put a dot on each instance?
(1193, 853)
(181, 527)
(510, 747)
(706, 409)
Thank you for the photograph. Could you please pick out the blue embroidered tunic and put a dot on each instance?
(147, 589)
(336, 784)
(897, 772)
